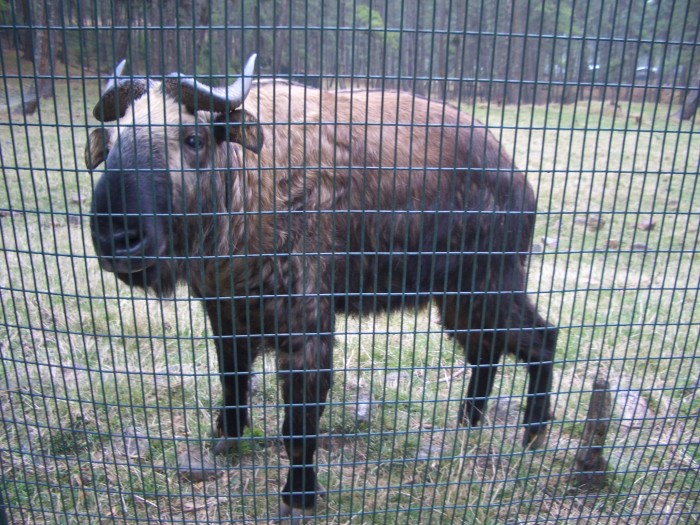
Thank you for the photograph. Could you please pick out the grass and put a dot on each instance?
(102, 390)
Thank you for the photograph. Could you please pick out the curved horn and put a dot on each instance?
(115, 78)
(194, 94)
(118, 94)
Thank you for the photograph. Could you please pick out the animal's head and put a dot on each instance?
(165, 145)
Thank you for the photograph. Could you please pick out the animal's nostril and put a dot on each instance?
(121, 238)
(126, 242)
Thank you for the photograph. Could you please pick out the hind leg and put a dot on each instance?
(462, 320)
(512, 324)
(533, 340)
(537, 351)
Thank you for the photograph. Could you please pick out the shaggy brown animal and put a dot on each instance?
(301, 203)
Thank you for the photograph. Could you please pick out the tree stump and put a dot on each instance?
(590, 465)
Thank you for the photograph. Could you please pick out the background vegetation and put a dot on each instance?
(504, 51)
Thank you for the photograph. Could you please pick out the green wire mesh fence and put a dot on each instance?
(183, 267)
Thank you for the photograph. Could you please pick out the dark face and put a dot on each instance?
(132, 213)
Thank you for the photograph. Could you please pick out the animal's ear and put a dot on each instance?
(96, 149)
(241, 127)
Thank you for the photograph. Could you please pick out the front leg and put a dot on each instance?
(235, 359)
(305, 369)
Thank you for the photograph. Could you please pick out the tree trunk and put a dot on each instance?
(162, 53)
(25, 36)
(281, 14)
(691, 100)
(104, 36)
(43, 16)
(121, 19)
(514, 67)
(171, 52)
(441, 23)
(342, 63)
(203, 17)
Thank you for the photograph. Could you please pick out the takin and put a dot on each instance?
(280, 205)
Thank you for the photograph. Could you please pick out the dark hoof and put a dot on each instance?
(297, 516)
(535, 436)
(224, 445)
(293, 516)
(230, 423)
(469, 415)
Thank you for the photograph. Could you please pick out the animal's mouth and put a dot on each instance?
(147, 277)
(126, 265)
(130, 259)
(127, 244)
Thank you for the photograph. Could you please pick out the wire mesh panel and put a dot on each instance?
(405, 262)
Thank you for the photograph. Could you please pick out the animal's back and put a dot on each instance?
(393, 188)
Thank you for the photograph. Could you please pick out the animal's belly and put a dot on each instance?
(381, 281)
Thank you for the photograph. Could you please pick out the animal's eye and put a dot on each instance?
(194, 142)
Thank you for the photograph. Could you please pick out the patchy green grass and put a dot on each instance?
(102, 389)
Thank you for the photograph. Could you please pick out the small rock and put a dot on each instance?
(593, 222)
(330, 442)
(169, 379)
(429, 450)
(634, 408)
(392, 379)
(136, 444)
(362, 409)
(646, 225)
(506, 411)
(551, 242)
(256, 384)
(51, 223)
(639, 247)
(194, 465)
